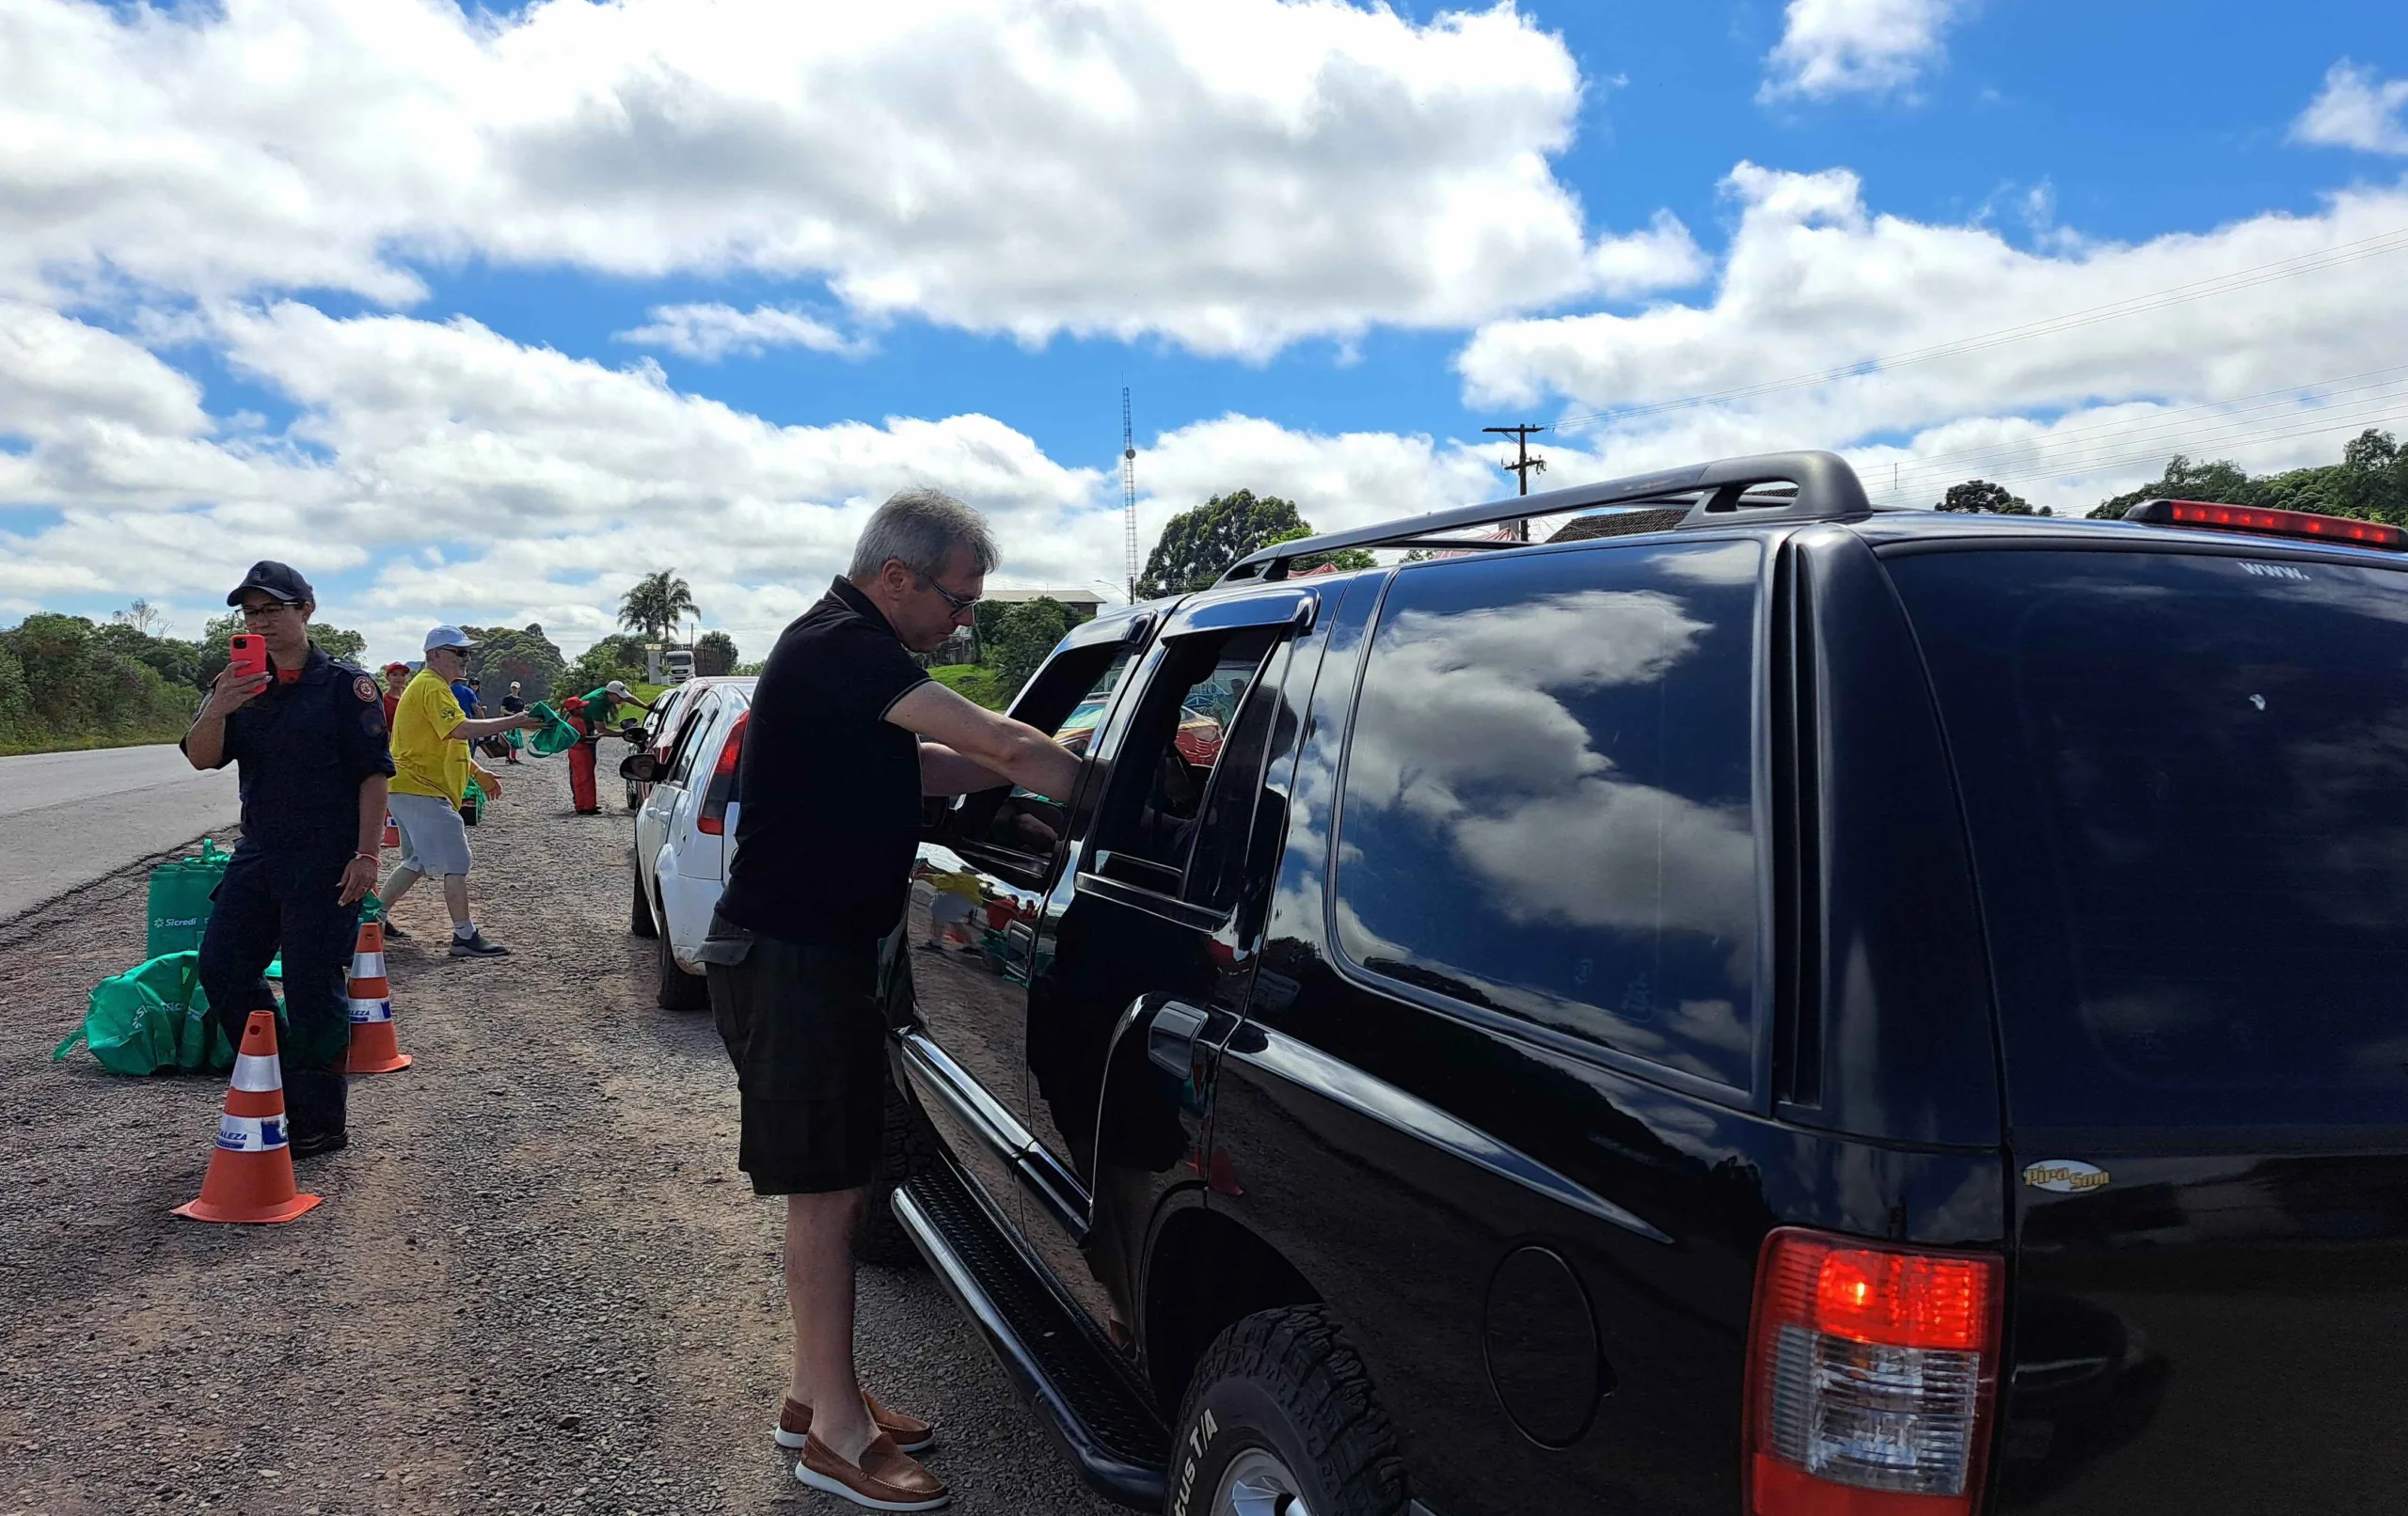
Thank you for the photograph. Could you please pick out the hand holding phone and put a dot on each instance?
(242, 679)
(247, 654)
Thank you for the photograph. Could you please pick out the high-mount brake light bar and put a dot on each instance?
(2257, 521)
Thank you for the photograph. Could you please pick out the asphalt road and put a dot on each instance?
(68, 818)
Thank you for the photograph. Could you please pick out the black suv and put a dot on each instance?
(1712, 999)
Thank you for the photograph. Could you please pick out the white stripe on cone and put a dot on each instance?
(250, 1134)
(256, 1075)
(371, 1010)
(368, 966)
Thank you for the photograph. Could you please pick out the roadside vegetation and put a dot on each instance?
(68, 682)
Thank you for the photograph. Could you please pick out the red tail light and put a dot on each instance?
(1872, 1378)
(722, 785)
(2307, 524)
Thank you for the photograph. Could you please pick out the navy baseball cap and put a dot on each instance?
(278, 579)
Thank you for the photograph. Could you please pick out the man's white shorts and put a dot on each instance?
(434, 841)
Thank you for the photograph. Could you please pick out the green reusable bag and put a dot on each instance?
(151, 1019)
(555, 734)
(179, 904)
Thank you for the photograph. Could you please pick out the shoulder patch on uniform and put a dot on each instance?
(365, 688)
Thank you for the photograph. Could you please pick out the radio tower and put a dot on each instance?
(1129, 488)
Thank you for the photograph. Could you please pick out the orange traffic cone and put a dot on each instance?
(375, 1049)
(251, 1175)
(393, 837)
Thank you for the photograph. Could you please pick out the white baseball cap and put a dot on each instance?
(448, 637)
(617, 689)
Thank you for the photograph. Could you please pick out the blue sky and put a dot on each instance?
(420, 300)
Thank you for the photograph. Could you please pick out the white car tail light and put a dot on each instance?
(1872, 1372)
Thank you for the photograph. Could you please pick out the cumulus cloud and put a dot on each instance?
(1856, 47)
(474, 478)
(711, 332)
(2357, 108)
(490, 478)
(1815, 283)
(1235, 176)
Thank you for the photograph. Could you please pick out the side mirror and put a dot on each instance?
(644, 767)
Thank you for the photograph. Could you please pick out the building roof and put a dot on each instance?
(1068, 597)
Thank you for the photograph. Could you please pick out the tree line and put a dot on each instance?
(69, 682)
(2370, 483)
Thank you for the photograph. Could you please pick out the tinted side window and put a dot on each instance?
(693, 740)
(1175, 746)
(1017, 831)
(1547, 806)
(2186, 777)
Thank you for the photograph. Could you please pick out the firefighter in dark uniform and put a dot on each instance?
(309, 735)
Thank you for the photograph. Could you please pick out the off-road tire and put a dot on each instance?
(640, 919)
(1286, 1380)
(909, 1147)
(675, 988)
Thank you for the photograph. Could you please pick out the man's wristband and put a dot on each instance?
(371, 857)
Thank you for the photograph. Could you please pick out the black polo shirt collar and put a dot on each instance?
(861, 605)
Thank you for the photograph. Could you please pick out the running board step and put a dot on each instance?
(1088, 1394)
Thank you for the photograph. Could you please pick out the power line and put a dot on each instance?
(2239, 406)
(2372, 410)
(2104, 465)
(2335, 256)
(2182, 435)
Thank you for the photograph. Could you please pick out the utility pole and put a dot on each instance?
(1523, 465)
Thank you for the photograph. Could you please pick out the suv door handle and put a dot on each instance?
(1170, 1038)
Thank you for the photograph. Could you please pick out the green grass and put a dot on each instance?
(973, 683)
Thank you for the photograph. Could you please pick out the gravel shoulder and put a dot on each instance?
(538, 1284)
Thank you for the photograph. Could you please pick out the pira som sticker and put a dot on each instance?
(2064, 1175)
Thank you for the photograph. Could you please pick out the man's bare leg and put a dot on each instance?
(819, 1296)
(396, 886)
(456, 898)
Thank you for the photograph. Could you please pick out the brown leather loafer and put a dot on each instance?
(886, 1479)
(910, 1433)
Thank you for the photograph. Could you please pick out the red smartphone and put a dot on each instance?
(248, 654)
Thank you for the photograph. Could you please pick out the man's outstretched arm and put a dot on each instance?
(970, 748)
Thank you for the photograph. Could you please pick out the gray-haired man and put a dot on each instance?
(834, 769)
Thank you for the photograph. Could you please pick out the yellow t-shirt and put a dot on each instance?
(423, 762)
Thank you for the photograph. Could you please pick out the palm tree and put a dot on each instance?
(656, 603)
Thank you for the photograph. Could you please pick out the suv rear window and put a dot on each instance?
(1549, 805)
(2186, 777)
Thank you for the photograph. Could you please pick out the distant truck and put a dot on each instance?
(677, 665)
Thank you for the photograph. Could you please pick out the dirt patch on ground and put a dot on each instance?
(538, 1283)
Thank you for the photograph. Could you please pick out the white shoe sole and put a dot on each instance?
(792, 1440)
(844, 1492)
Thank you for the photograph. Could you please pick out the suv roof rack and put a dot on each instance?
(1777, 486)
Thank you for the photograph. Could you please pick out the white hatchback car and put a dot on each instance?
(686, 833)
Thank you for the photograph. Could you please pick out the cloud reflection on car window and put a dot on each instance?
(1547, 801)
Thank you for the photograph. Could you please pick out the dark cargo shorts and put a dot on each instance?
(805, 1028)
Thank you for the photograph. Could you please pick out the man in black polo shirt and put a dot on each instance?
(834, 771)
